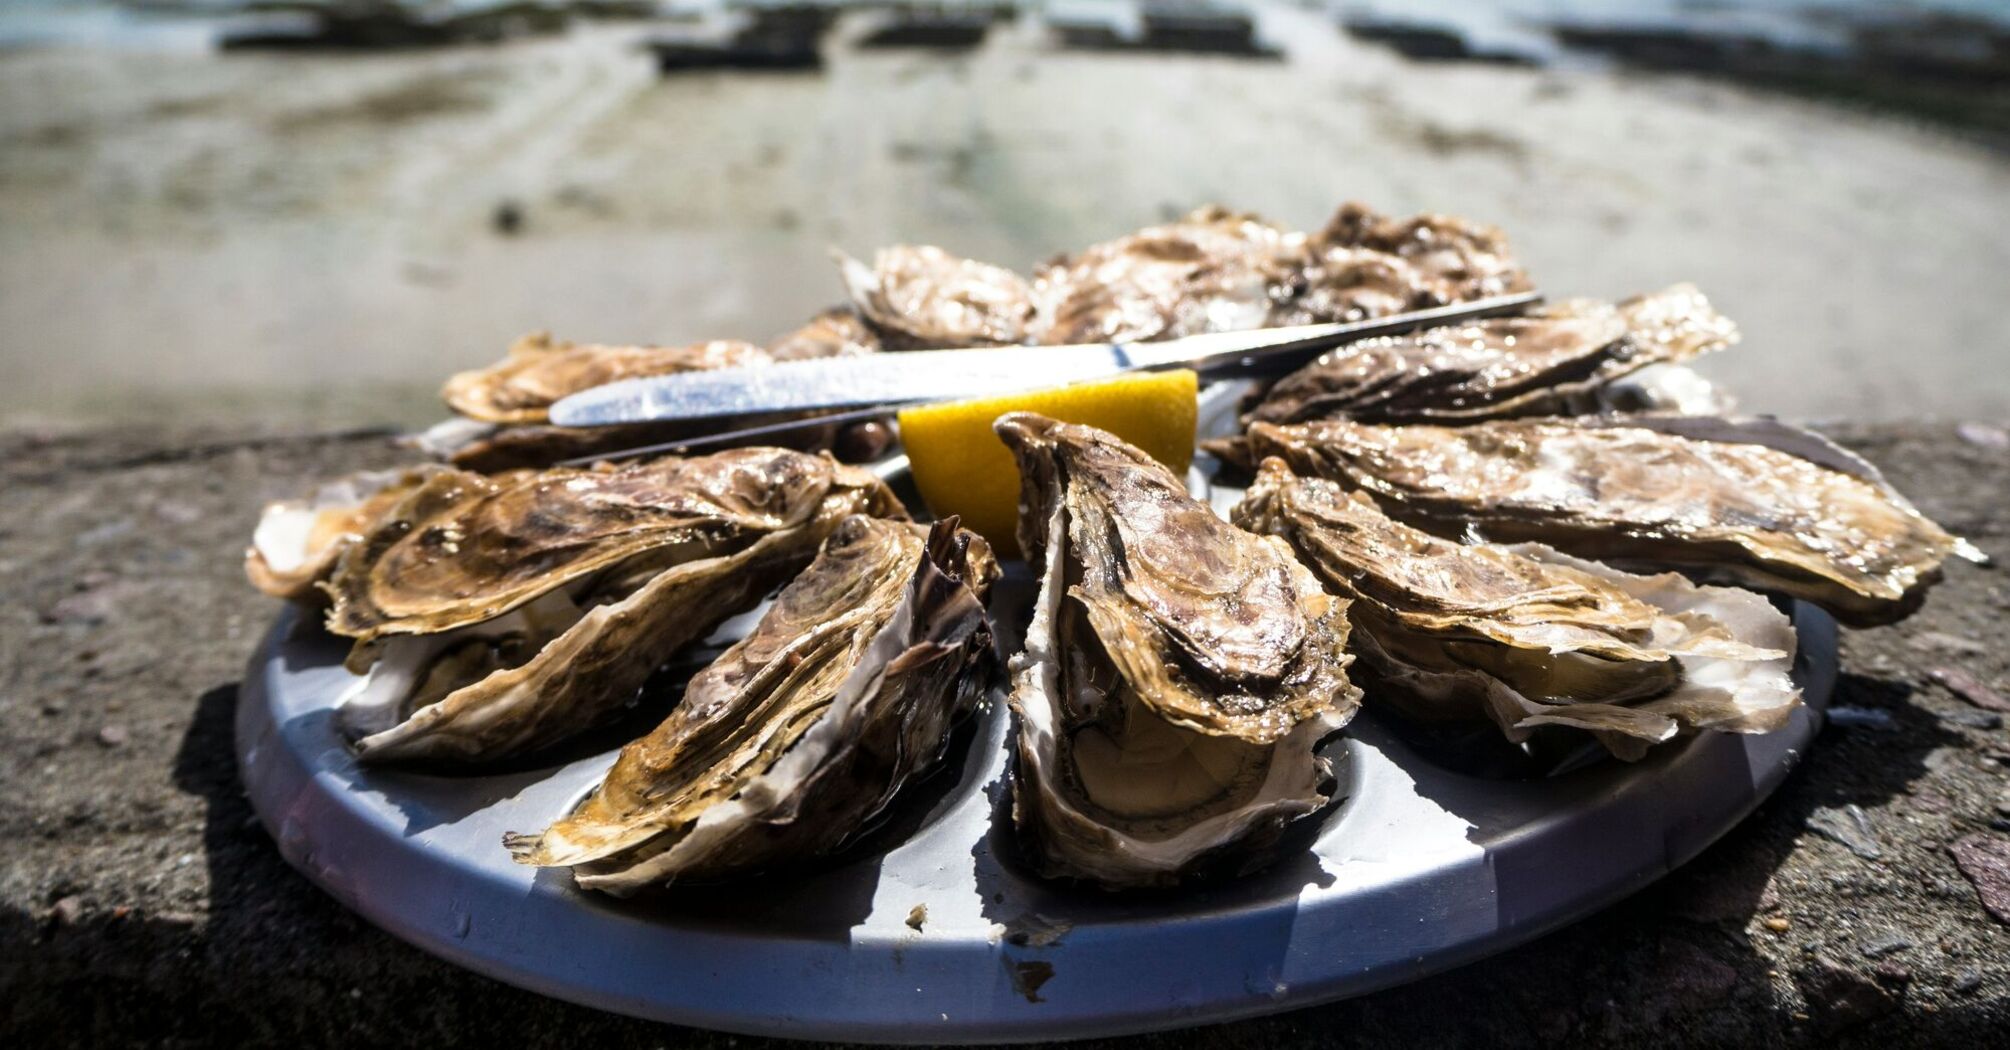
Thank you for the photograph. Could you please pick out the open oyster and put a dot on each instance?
(1209, 272)
(495, 617)
(522, 387)
(297, 542)
(1549, 362)
(795, 738)
(1757, 504)
(919, 296)
(1529, 637)
(1178, 672)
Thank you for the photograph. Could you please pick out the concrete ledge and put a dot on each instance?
(141, 903)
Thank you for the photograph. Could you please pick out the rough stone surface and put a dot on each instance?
(1969, 688)
(141, 903)
(1886, 945)
(1840, 998)
(65, 912)
(1849, 825)
(1984, 435)
(1975, 719)
(1985, 859)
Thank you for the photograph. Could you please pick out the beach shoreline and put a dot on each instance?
(310, 238)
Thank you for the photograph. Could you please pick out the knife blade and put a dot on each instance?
(934, 375)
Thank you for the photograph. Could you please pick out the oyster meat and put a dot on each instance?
(1757, 504)
(1209, 272)
(539, 371)
(795, 738)
(494, 617)
(297, 542)
(1550, 362)
(1528, 637)
(1177, 675)
(921, 297)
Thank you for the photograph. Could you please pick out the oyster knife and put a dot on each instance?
(933, 375)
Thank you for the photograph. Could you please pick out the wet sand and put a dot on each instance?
(309, 239)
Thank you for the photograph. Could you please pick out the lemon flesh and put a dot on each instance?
(962, 468)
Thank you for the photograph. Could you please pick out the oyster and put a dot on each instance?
(1364, 264)
(497, 616)
(1177, 676)
(539, 371)
(1209, 272)
(297, 542)
(504, 408)
(919, 296)
(1756, 504)
(838, 332)
(1529, 637)
(1550, 362)
(1662, 389)
(800, 734)
(490, 448)
(1218, 271)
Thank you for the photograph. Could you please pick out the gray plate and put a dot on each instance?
(1422, 867)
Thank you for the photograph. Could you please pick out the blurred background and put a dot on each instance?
(309, 213)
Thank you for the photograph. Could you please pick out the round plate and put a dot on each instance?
(1419, 869)
(930, 931)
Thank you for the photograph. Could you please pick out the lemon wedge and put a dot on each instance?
(962, 468)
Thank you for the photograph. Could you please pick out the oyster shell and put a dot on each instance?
(919, 296)
(1550, 362)
(504, 408)
(1177, 676)
(297, 542)
(494, 617)
(1209, 272)
(1756, 504)
(1362, 264)
(798, 735)
(539, 371)
(1216, 270)
(838, 332)
(489, 448)
(1529, 637)
(492, 448)
(1662, 390)
(462, 549)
